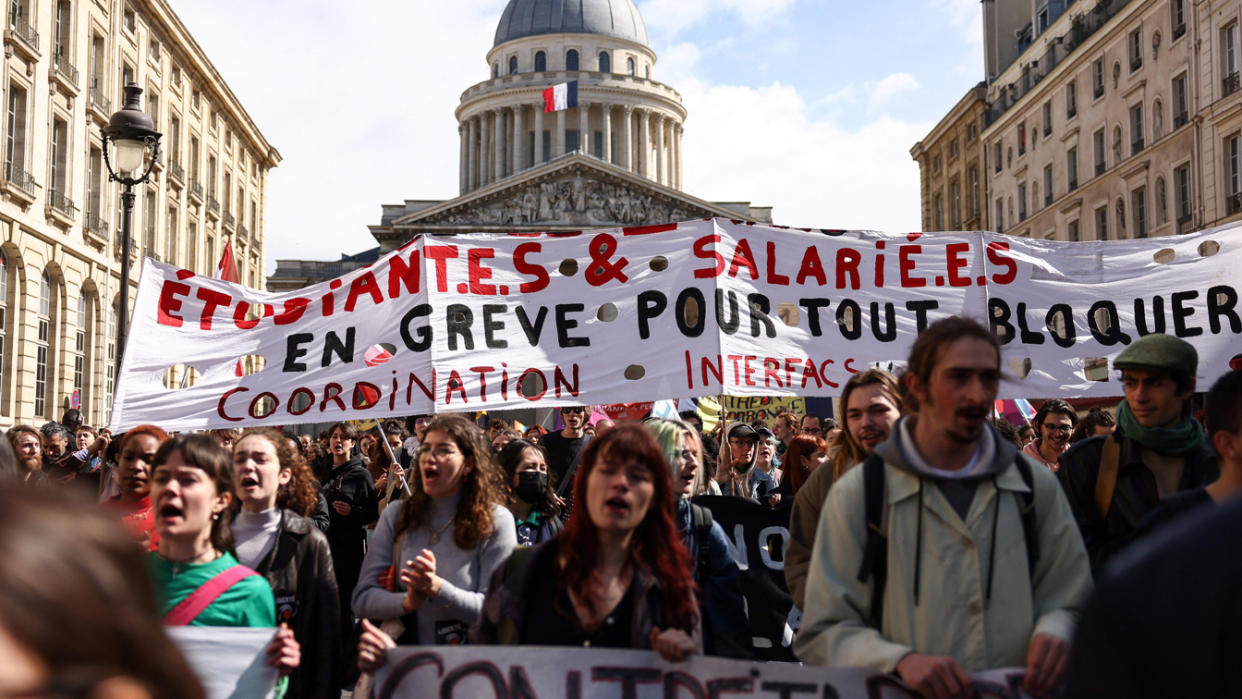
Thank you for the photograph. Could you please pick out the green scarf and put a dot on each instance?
(1182, 438)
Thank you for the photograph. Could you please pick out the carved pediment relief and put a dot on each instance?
(571, 199)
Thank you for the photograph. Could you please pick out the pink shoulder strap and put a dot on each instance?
(188, 609)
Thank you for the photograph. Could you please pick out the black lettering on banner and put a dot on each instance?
(573, 685)
(688, 294)
(1221, 301)
(458, 320)
(1028, 336)
(480, 668)
(491, 326)
(629, 677)
(1181, 313)
(877, 684)
(850, 329)
(564, 324)
(1113, 334)
(727, 326)
(760, 310)
(718, 687)
(674, 681)
(1140, 316)
(421, 341)
(535, 329)
(294, 351)
(343, 350)
(1067, 336)
(813, 307)
(405, 667)
(650, 304)
(890, 319)
(920, 309)
(786, 690)
(998, 318)
(519, 684)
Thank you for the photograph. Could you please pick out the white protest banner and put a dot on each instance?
(500, 672)
(702, 308)
(229, 662)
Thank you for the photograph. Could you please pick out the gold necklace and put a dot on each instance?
(436, 532)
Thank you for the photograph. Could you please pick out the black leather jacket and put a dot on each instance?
(299, 569)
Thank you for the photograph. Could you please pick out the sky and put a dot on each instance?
(808, 106)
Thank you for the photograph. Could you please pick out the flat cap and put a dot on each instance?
(1161, 352)
(743, 431)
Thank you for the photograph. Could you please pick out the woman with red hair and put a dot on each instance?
(618, 576)
(805, 454)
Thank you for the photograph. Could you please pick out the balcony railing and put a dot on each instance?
(1230, 84)
(65, 69)
(1100, 167)
(175, 171)
(1098, 91)
(1180, 119)
(1073, 184)
(96, 224)
(20, 178)
(1136, 62)
(196, 190)
(1136, 146)
(1179, 30)
(60, 202)
(243, 232)
(100, 101)
(25, 32)
(1233, 203)
(1048, 198)
(213, 206)
(229, 220)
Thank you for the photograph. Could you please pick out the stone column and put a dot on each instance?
(644, 143)
(472, 158)
(519, 138)
(558, 138)
(606, 120)
(584, 126)
(498, 147)
(677, 156)
(462, 171)
(484, 175)
(537, 156)
(627, 138)
(660, 169)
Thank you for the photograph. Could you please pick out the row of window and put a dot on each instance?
(603, 64)
(955, 212)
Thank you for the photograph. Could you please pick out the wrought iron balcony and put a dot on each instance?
(1100, 167)
(243, 232)
(1180, 119)
(213, 206)
(175, 171)
(1233, 203)
(1136, 146)
(25, 32)
(20, 178)
(229, 220)
(1230, 84)
(196, 190)
(60, 202)
(96, 224)
(65, 69)
(100, 101)
(1179, 30)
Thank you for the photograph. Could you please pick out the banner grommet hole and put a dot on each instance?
(635, 372)
(1208, 248)
(789, 314)
(1021, 368)
(533, 384)
(249, 365)
(1164, 256)
(607, 312)
(181, 376)
(659, 263)
(568, 268)
(1095, 368)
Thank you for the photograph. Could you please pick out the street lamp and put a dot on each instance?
(134, 134)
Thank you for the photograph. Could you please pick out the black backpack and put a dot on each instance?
(875, 556)
(701, 530)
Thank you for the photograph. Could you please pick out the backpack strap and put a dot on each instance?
(1106, 478)
(1026, 506)
(874, 565)
(188, 609)
(701, 526)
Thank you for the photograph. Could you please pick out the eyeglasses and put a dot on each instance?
(1058, 428)
(572, 410)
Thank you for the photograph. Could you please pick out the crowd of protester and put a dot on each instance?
(927, 538)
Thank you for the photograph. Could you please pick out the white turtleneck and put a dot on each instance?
(254, 534)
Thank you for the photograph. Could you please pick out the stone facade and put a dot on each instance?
(953, 186)
(1118, 120)
(64, 67)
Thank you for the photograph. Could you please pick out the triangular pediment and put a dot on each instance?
(576, 191)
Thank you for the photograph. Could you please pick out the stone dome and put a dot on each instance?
(615, 18)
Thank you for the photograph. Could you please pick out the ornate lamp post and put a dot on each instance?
(134, 135)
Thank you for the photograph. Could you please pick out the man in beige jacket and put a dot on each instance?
(960, 595)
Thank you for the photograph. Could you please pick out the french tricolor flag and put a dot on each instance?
(563, 96)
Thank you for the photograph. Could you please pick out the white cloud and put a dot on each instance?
(892, 85)
(671, 17)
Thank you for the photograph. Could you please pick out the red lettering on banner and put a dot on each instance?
(956, 263)
(400, 273)
(539, 275)
(737, 371)
(439, 254)
(997, 255)
(224, 397)
(716, 369)
(211, 300)
(773, 276)
(704, 252)
(429, 392)
(772, 372)
(790, 365)
(240, 319)
(647, 230)
(908, 280)
(748, 371)
(743, 257)
(879, 265)
(823, 373)
(331, 392)
(310, 400)
(478, 273)
(847, 265)
(294, 308)
(482, 371)
(363, 284)
(810, 372)
(559, 381)
(812, 266)
(454, 384)
(170, 304)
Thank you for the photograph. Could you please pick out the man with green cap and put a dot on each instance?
(1157, 451)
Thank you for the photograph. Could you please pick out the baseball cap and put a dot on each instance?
(743, 431)
(1160, 352)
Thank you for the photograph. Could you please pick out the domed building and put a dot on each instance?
(614, 159)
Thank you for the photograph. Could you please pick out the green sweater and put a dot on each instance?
(248, 603)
